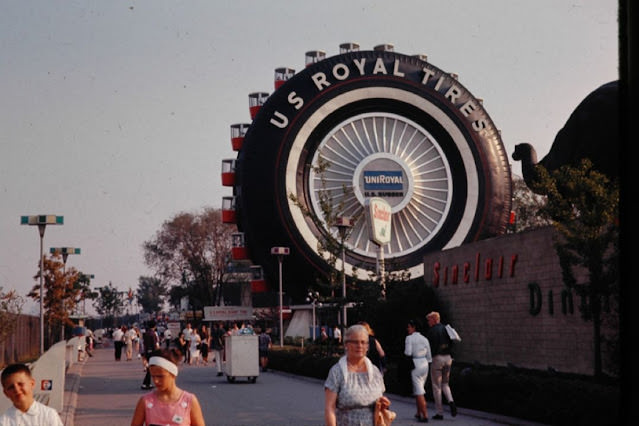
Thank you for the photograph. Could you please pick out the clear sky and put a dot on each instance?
(115, 114)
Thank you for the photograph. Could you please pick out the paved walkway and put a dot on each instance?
(103, 392)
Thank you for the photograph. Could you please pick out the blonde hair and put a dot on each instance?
(367, 327)
(434, 316)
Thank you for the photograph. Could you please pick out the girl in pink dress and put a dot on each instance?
(167, 404)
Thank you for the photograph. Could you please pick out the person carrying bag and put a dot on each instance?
(441, 344)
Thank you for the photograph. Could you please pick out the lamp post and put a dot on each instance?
(42, 221)
(65, 252)
(343, 224)
(312, 297)
(280, 252)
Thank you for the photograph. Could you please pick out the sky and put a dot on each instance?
(116, 114)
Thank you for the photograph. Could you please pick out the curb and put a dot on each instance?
(72, 385)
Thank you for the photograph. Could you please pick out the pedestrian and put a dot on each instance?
(354, 384)
(129, 335)
(136, 341)
(417, 347)
(88, 338)
(235, 330)
(181, 344)
(167, 337)
(194, 347)
(187, 336)
(205, 343)
(18, 385)
(442, 362)
(118, 341)
(375, 351)
(151, 343)
(323, 335)
(167, 404)
(337, 335)
(264, 344)
(217, 346)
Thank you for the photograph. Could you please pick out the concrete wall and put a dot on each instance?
(492, 311)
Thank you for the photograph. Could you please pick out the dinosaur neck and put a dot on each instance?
(528, 168)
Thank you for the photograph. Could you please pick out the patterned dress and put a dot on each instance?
(163, 413)
(356, 395)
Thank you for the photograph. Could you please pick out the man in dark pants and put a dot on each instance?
(217, 346)
(151, 343)
(118, 341)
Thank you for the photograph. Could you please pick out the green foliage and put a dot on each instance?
(304, 364)
(527, 205)
(109, 302)
(150, 294)
(62, 291)
(193, 244)
(406, 300)
(583, 206)
(329, 244)
(538, 396)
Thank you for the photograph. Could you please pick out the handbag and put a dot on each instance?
(383, 416)
(452, 333)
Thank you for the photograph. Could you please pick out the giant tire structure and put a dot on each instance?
(387, 125)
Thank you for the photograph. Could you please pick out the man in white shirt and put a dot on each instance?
(337, 335)
(187, 336)
(167, 337)
(18, 385)
(118, 342)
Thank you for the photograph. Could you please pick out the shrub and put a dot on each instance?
(539, 396)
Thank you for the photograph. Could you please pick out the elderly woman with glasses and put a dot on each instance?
(354, 384)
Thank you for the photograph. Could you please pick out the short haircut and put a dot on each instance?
(433, 315)
(355, 329)
(13, 369)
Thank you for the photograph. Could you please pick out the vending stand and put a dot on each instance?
(241, 351)
(242, 357)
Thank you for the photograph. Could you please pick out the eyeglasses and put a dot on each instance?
(358, 342)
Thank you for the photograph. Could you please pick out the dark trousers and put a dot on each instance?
(147, 377)
(187, 353)
(118, 350)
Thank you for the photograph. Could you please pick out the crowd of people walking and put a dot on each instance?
(354, 388)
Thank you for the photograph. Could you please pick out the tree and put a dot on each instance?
(526, 205)
(190, 244)
(110, 301)
(150, 294)
(61, 291)
(583, 206)
(329, 245)
(10, 308)
(83, 284)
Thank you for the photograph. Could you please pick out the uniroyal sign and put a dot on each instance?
(379, 220)
(404, 67)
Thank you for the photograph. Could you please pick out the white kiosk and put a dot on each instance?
(241, 351)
